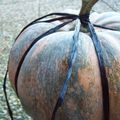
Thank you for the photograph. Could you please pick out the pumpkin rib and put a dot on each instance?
(41, 57)
(32, 44)
(104, 79)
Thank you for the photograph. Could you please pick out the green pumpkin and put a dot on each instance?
(44, 70)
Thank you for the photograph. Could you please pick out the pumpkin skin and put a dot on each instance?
(23, 42)
(45, 67)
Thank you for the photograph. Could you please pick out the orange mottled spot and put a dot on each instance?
(84, 77)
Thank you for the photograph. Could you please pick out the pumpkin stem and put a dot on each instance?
(85, 10)
(87, 6)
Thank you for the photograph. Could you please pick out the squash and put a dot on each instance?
(45, 66)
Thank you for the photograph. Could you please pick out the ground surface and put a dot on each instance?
(14, 15)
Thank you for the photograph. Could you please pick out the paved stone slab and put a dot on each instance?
(13, 28)
(48, 6)
(107, 5)
(1, 38)
(19, 11)
(4, 2)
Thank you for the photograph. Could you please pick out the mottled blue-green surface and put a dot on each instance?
(14, 15)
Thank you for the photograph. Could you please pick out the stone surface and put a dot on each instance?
(18, 11)
(48, 6)
(14, 1)
(107, 5)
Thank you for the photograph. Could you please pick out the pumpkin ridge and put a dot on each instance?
(31, 45)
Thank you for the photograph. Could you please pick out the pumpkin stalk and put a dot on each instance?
(86, 8)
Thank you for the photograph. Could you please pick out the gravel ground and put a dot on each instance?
(15, 14)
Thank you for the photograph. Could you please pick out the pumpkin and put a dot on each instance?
(44, 69)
